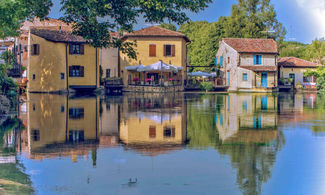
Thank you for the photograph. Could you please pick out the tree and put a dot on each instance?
(204, 44)
(254, 19)
(316, 52)
(168, 26)
(292, 49)
(7, 85)
(94, 19)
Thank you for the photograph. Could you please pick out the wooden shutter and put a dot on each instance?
(82, 71)
(82, 49)
(173, 50)
(70, 49)
(255, 61)
(152, 50)
(164, 50)
(152, 131)
(173, 132)
(32, 50)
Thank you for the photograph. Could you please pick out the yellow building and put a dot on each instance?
(59, 61)
(57, 121)
(154, 44)
(291, 72)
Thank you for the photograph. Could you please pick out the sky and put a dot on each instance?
(304, 20)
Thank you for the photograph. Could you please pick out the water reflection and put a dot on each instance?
(153, 124)
(245, 129)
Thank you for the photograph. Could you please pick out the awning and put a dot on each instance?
(200, 74)
(134, 68)
(160, 67)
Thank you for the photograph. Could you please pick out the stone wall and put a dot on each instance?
(153, 89)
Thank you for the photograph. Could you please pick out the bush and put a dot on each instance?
(207, 86)
(320, 84)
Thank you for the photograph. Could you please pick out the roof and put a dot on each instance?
(55, 35)
(258, 68)
(252, 45)
(293, 62)
(156, 31)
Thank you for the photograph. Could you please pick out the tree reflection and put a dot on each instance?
(243, 127)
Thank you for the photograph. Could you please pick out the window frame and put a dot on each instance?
(74, 51)
(243, 78)
(35, 49)
(172, 50)
(74, 69)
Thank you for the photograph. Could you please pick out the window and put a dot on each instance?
(34, 107)
(34, 76)
(35, 49)
(152, 50)
(35, 135)
(244, 76)
(228, 60)
(257, 59)
(108, 73)
(76, 49)
(62, 108)
(76, 136)
(152, 131)
(62, 76)
(76, 113)
(76, 71)
(221, 61)
(169, 131)
(169, 50)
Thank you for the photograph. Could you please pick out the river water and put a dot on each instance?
(165, 144)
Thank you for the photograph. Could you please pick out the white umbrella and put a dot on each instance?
(199, 74)
(134, 68)
(159, 66)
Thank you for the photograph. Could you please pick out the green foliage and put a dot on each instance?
(207, 86)
(319, 73)
(292, 49)
(7, 85)
(94, 19)
(316, 52)
(252, 18)
(168, 26)
(14, 12)
(205, 39)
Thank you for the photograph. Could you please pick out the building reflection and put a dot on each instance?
(241, 115)
(153, 124)
(59, 125)
(248, 134)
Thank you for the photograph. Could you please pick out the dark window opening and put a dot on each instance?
(62, 108)
(169, 131)
(76, 113)
(35, 49)
(76, 71)
(108, 73)
(62, 76)
(34, 76)
(76, 136)
(169, 50)
(35, 135)
(76, 49)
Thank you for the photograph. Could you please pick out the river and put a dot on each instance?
(179, 143)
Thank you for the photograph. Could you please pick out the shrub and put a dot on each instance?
(207, 86)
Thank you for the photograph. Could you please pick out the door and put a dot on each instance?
(264, 80)
(228, 78)
(293, 77)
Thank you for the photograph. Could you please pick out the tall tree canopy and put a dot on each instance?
(254, 19)
(168, 26)
(94, 19)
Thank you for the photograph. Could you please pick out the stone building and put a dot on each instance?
(247, 64)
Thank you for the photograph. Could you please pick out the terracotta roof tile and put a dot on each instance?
(53, 34)
(259, 68)
(156, 31)
(252, 45)
(293, 62)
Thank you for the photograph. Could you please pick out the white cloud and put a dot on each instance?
(315, 13)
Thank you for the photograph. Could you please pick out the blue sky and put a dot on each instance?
(303, 19)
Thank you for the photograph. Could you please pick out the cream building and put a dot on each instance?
(247, 64)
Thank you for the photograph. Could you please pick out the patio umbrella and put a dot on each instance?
(134, 68)
(159, 66)
(199, 74)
